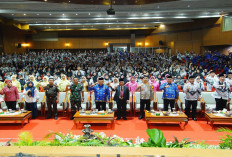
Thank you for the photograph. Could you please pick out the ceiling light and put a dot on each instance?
(89, 14)
(24, 14)
(158, 6)
(63, 19)
(37, 14)
(188, 6)
(76, 14)
(162, 26)
(12, 14)
(180, 17)
(63, 14)
(50, 14)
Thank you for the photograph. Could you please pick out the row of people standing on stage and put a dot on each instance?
(102, 95)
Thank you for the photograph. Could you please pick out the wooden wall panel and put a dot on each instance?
(11, 37)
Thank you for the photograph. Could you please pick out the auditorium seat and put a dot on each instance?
(61, 105)
(209, 100)
(40, 104)
(205, 84)
(159, 100)
(85, 104)
(21, 101)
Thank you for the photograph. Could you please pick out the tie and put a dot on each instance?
(121, 93)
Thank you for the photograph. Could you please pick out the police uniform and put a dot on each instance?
(146, 94)
(51, 97)
(191, 97)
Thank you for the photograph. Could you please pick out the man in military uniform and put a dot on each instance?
(52, 98)
(192, 95)
(76, 98)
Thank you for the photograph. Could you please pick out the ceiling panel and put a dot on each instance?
(91, 14)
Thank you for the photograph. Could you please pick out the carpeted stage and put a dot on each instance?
(131, 128)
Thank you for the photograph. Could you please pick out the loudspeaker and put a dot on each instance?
(19, 45)
(161, 42)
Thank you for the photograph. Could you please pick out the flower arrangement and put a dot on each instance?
(156, 139)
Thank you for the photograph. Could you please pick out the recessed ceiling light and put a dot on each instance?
(89, 14)
(188, 6)
(63, 14)
(24, 14)
(50, 14)
(45, 0)
(37, 14)
(76, 14)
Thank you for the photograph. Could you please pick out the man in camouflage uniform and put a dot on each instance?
(76, 98)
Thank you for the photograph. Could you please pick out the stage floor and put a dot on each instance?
(131, 128)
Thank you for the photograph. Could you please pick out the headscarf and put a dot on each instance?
(6, 81)
(153, 80)
(132, 77)
(32, 88)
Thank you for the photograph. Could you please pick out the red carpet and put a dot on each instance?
(131, 128)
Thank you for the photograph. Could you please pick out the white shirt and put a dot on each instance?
(31, 99)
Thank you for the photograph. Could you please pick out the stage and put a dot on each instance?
(131, 129)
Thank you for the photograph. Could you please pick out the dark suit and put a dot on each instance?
(121, 103)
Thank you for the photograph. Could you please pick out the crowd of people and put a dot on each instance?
(88, 66)
(55, 71)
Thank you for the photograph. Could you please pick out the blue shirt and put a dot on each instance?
(171, 92)
(101, 92)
